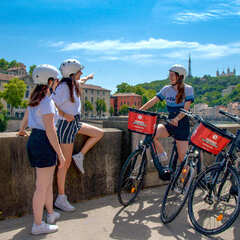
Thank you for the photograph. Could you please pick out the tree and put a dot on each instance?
(124, 109)
(31, 68)
(13, 93)
(3, 118)
(124, 87)
(111, 110)
(100, 106)
(88, 107)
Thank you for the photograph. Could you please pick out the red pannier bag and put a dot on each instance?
(142, 122)
(210, 138)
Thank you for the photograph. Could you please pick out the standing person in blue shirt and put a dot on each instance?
(67, 99)
(177, 95)
(43, 147)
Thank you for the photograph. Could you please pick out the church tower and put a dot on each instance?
(189, 67)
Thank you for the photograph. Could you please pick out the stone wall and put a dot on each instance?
(17, 178)
(102, 165)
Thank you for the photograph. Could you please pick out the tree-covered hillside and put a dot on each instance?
(207, 89)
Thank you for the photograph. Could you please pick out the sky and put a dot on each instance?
(123, 40)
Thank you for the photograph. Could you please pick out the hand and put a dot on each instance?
(22, 133)
(55, 83)
(62, 160)
(174, 122)
(90, 76)
(68, 117)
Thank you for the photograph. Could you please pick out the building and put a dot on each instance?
(92, 93)
(228, 74)
(189, 67)
(130, 99)
(21, 74)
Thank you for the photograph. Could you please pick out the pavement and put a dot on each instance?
(104, 218)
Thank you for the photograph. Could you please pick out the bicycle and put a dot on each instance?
(212, 207)
(178, 188)
(134, 168)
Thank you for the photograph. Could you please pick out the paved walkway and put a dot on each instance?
(104, 218)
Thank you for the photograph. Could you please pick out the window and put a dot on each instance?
(92, 91)
(92, 99)
(86, 98)
(27, 94)
(103, 93)
(85, 90)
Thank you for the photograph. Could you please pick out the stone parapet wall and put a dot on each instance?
(17, 178)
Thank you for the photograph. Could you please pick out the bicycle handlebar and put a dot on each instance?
(229, 115)
(191, 115)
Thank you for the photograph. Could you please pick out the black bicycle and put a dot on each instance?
(178, 188)
(134, 168)
(213, 206)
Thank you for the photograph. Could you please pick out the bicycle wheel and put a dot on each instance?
(177, 192)
(211, 206)
(131, 177)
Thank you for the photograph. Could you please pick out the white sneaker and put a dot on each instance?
(78, 159)
(52, 218)
(43, 228)
(63, 204)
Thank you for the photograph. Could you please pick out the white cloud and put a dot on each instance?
(217, 10)
(56, 44)
(150, 50)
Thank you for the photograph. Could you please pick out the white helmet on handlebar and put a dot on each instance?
(177, 68)
(70, 66)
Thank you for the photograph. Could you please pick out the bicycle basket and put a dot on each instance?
(141, 122)
(210, 138)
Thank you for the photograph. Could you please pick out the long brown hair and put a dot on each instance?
(180, 87)
(71, 83)
(39, 92)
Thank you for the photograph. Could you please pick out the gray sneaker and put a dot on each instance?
(43, 228)
(52, 218)
(78, 160)
(63, 204)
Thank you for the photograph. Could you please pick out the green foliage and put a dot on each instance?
(4, 65)
(124, 109)
(31, 68)
(13, 93)
(3, 118)
(88, 106)
(111, 110)
(100, 106)
(146, 92)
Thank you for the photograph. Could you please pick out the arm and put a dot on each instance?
(48, 120)
(180, 116)
(150, 103)
(84, 79)
(23, 125)
(67, 116)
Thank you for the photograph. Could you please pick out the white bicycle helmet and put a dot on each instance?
(43, 72)
(70, 66)
(179, 69)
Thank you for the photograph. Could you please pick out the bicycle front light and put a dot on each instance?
(196, 153)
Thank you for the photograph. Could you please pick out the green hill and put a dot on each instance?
(206, 90)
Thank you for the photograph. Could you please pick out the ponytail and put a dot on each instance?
(39, 92)
(181, 90)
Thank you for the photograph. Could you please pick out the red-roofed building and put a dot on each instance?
(119, 99)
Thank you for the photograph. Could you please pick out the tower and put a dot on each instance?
(189, 67)
(217, 73)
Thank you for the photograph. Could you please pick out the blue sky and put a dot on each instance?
(123, 40)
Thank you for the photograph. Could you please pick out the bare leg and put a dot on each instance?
(49, 197)
(94, 134)
(67, 150)
(182, 147)
(161, 133)
(44, 176)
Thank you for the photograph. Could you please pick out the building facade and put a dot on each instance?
(227, 74)
(129, 99)
(92, 93)
(21, 73)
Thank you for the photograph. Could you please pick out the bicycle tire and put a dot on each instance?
(127, 173)
(166, 216)
(203, 183)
